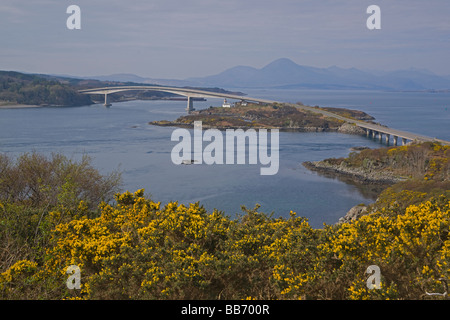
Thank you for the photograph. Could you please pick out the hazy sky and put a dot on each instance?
(188, 38)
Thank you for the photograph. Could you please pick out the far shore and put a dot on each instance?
(18, 106)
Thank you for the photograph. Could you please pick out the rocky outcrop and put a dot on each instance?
(350, 129)
(354, 214)
(284, 117)
(345, 128)
(362, 175)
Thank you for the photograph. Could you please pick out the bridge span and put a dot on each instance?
(375, 131)
(372, 130)
(186, 92)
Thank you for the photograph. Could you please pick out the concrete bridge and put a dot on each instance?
(372, 130)
(186, 92)
(375, 131)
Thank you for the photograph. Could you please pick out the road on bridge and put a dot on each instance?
(375, 127)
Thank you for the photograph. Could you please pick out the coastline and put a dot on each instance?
(379, 180)
(357, 174)
(19, 106)
(344, 128)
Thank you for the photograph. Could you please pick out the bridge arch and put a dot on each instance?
(186, 92)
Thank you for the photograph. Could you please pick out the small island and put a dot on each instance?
(282, 116)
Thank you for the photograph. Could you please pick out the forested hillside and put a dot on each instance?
(28, 89)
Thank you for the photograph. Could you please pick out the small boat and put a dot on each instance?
(187, 162)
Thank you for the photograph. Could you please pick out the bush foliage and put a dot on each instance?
(39, 192)
(135, 248)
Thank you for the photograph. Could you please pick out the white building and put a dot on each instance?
(226, 104)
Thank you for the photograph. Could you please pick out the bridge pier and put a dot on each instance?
(395, 140)
(107, 104)
(378, 135)
(190, 104)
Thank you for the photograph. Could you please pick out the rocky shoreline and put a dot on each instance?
(19, 106)
(344, 128)
(363, 176)
(359, 174)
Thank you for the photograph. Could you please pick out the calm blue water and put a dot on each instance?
(120, 137)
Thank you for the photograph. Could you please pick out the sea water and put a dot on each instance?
(120, 138)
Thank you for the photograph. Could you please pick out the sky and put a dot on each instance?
(178, 39)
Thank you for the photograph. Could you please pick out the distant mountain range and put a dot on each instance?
(284, 73)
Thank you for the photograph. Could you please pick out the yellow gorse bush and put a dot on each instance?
(136, 249)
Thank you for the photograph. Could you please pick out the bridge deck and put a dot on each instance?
(187, 92)
(377, 127)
